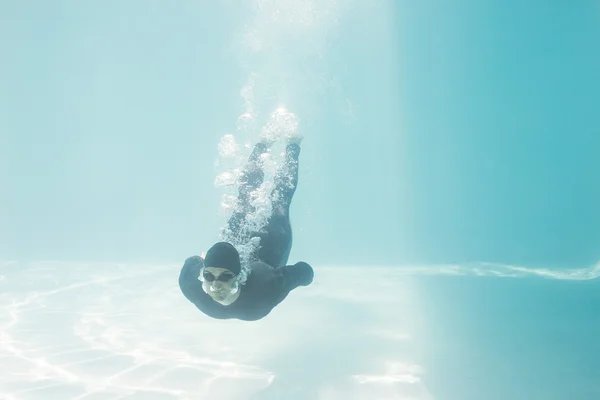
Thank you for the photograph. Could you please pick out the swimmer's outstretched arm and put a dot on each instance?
(299, 274)
(188, 278)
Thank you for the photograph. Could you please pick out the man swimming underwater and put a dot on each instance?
(215, 284)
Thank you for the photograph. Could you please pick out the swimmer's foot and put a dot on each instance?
(294, 138)
(268, 137)
(267, 141)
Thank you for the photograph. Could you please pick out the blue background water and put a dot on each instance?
(460, 132)
(435, 133)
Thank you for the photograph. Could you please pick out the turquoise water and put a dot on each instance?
(441, 141)
(524, 339)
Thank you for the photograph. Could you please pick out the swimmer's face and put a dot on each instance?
(218, 283)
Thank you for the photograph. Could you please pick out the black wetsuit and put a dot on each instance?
(270, 278)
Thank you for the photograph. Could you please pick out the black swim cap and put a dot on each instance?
(223, 255)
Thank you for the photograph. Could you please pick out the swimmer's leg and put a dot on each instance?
(286, 181)
(276, 246)
(251, 179)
